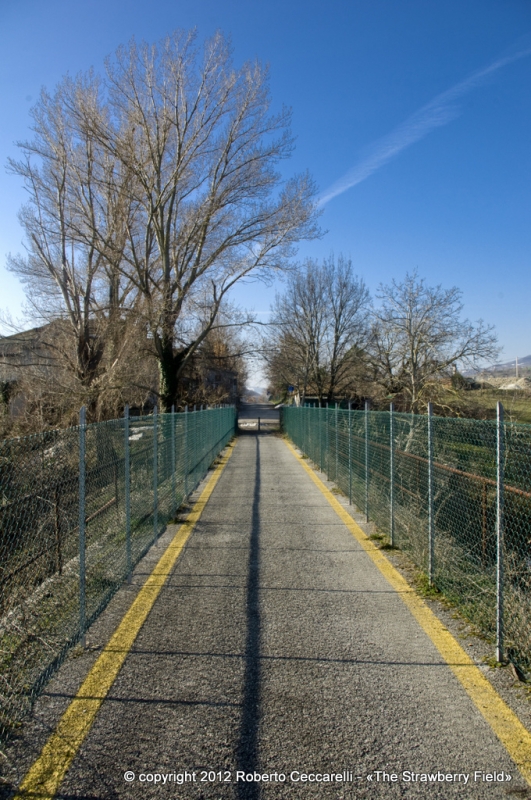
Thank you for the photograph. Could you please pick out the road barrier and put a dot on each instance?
(78, 510)
(455, 494)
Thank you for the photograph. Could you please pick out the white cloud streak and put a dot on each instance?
(438, 112)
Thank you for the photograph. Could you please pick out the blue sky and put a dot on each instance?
(413, 116)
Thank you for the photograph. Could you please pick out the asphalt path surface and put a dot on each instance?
(277, 647)
(265, 411)
(250, 413)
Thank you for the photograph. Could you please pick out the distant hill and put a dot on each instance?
(255, 394)
(522, 362)
(507, 368)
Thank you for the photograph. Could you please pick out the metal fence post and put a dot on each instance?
(500, 456)
(321, 437)
(366, 460)
(155, 477)
(82, 565)
(193, 449)
(337, 442)
(185, 452)
(201, 448)
(431, 526)
(391, 475)
(350, 453)
(173, 466)
(327, 443)
(127, 469)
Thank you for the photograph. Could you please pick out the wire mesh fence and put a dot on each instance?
(455, 494)
(78, 509)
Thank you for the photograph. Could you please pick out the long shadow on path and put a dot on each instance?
(247, 755)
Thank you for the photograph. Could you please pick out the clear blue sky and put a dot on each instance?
(413, 116)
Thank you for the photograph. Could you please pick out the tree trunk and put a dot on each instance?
(170, 368)
(167, 377)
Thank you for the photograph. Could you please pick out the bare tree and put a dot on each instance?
(221, 360)
(294, 343)
(419, 336)
(75, 224)
(153, 190)
(210, 209)
(320, 330)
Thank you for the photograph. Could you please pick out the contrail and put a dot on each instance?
(439, 111)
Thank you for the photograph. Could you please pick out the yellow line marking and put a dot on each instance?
(45, 776)
(513, 735)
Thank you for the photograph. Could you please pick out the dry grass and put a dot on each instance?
(481, 403)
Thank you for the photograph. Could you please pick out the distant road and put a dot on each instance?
(265, 411)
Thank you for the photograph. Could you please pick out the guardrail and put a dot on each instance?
(454, 493)
(78, 509)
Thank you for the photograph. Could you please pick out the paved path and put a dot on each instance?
(278, 647)
(250, 413)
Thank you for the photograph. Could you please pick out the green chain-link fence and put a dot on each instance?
(78, 509)
(454, 493)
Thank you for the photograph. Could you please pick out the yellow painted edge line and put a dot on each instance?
(48, 771)
(513, 735)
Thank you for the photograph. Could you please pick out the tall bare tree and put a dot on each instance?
(320, 327)
(210, 208)
(153, 190)
(419, 336)
(75, 224)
